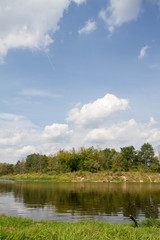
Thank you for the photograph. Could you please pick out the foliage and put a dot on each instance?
(147, 158)
(36, 163)
(6, 168)
(19, 167)
(87, 159)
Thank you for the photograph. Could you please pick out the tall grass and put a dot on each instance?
(20, 229)
(81, 176)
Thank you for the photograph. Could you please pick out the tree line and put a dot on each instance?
(87, 159)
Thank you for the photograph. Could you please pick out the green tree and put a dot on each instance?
(36, 163)
(108, 158)
(118, 163)
(6, 168)
(74, 161)
(63, 158)
(129, 157)
(88, 160)
(19, 167)
(53, 164)
(146, 155)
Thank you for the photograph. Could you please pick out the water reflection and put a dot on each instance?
(111, 202)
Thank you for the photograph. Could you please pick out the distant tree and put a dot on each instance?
(36, 163)
(88, 159)
(6, 168)
(147, 157)
(19, 167)
(129, 157)
(74, 161)
(108, 158)
(118, 163)
(63, 158)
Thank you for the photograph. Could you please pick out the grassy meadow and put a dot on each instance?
(20, 229)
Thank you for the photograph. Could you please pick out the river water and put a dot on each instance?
(110, 202)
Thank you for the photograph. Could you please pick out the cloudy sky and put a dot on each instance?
(78, 73)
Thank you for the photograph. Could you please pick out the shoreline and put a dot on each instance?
(108, 177)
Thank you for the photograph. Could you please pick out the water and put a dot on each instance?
(110, 202)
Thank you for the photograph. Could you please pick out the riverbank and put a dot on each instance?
(20, 228)
(87, 177)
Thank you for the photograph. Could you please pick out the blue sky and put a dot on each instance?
(78, 73)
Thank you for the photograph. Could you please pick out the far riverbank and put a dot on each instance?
(87, 177)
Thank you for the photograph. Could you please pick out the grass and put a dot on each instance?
(87, 177)
(20, 229)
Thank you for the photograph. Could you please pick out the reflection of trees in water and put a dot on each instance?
(5, 187)
(90, 198)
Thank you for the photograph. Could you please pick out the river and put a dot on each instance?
(110, 202)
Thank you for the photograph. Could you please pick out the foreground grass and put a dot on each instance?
(20, 229)
(87, 177)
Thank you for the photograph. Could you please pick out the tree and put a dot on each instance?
(129, 157)
(19, 167)
(88, 160)
(146, 157)
(118, 163)
(63, 158)
(36, 163)
(6, 168)
(108, 158)
(74, 161)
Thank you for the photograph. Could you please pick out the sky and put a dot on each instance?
(78, 73)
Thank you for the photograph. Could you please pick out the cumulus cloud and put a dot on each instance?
(143, 51)
(31, 24)
(56, 131)
(14, 129)
(94, 113)
(26, 150)
(20, 137)
(90, 26)
(119, 12)
(125, 134)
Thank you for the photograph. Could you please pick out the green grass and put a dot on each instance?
(20, 229)
(87, 177)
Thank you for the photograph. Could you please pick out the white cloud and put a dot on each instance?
(56, 130)
(143, 52)
(29, 24)
(26, 150)
(20, 137)
(119, 12)
(94, 113)
(79, 1)
(124, 134)
(90, 26)
(37, 93)
(152, 121)
(9, 117)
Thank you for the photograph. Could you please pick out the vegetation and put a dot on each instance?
(87, 159)
(83, 176)
(20, 229)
